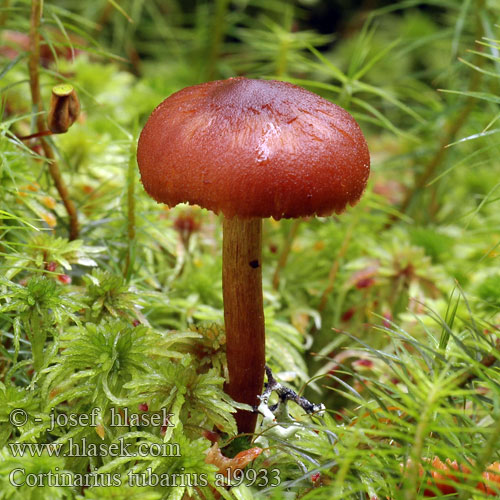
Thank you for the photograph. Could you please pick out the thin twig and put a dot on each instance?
(34, 63)
(286, 394)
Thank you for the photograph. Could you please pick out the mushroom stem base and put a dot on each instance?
(244, 314)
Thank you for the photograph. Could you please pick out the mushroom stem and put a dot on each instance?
(244, 313)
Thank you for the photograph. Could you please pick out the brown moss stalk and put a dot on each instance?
(332, 275)
(34, 64)
(129, 260)
(431, 168)
(221, 7)
(4, 13)
(487, 360)
(453, 127)
(244, 313)
(285, 252)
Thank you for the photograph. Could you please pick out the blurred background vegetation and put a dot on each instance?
(388, 314)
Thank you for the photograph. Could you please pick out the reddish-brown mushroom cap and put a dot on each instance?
(253, 148)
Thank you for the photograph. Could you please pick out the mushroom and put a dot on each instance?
(251, 149)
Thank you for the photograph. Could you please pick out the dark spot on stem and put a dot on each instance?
(254, 264)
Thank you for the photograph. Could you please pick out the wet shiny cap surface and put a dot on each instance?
(253, 148)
